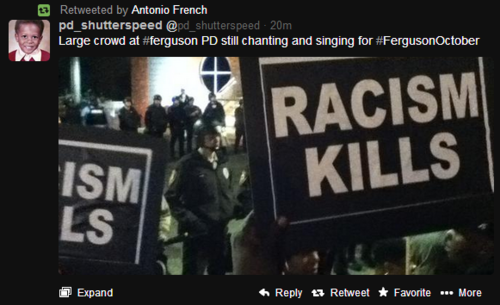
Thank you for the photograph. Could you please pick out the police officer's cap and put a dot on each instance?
(157, 97)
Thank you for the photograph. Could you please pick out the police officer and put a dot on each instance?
(239, 125)
(214, 113)
(177, 121)
(156, 118)
(193, 114)
(183, 98)
(130, 119)
(202, 202)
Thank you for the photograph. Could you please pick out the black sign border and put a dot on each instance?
(364, 226)
(145, 262)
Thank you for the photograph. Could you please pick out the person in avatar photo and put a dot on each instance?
(29, 35)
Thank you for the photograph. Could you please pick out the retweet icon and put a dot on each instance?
(43, 10)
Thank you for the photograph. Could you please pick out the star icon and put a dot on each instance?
(383, 292)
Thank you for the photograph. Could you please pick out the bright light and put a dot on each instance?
(230, 120)
(168, 75)
(76, 84)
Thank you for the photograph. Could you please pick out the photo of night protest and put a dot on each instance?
(276, 166)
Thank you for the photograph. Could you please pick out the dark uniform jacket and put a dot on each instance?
(200, 197)
(239, 118)
(130, 119)
(214, 114)
(193, 114)
(177, 116)
(156, 119)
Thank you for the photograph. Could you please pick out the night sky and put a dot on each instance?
(106, 76)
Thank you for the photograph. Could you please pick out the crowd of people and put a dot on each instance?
(201, 197)
(221, 236)
(182, 117)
